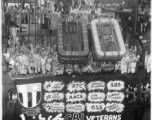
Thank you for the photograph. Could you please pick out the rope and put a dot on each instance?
(21, 17)
(40, 33)
(35, 22)
(49, 25)
(29, 22)
(40, 25)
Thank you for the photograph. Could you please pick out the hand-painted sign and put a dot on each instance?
(96, 85)
(95, 107)
(75, 108)
(58, 117)
(115, 107)
(31, 112)
(53, 96)
(53, 86)
(75, 98)
(115, 96)
(54, 107)
(76, 86)
(115, 85)
(96, 97)
(104, 117)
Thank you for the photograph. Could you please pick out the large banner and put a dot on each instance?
(71, 98)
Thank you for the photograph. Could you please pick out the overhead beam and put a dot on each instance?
(17, 1)
(115, 0)
(125, 12)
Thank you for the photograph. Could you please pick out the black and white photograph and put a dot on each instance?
(76, 59)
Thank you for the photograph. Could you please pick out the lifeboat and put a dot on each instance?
(73, 46)
(107, 39)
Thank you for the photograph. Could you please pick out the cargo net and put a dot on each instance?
(72, 36)
(107, 37)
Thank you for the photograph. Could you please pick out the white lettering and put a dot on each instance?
(106, 117)
(89, 118)
(67, 116)
(98, 117)
(110, 117)
(40, 117)
(22, 116)
(96, 85)
(93, 117)
(74, 97)
(75, 117)
(115, 85)
(49, 117)
(101, 117)
(58, 117)
(115, 117)
(76, 86)
(119, 117)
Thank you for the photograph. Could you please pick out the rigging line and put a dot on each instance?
(29, 12)
(70, 44)
(48, 24)
(15, 27)
(40, 37)
(40, 27)
(21, 18)
(4, 9)
(35, 22)
(79, 40)
(5, 18)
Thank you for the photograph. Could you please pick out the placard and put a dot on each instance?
(71, 98)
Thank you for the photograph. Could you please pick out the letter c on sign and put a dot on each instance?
(49, 117)
(80, 86)
(67, 116)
